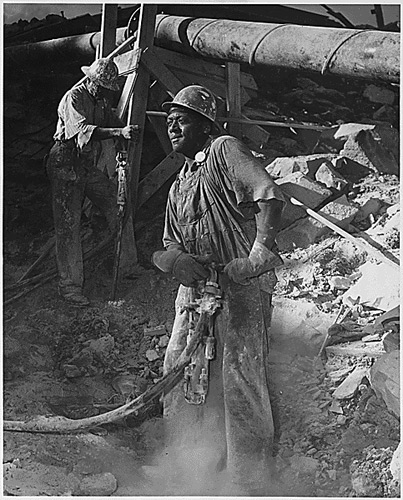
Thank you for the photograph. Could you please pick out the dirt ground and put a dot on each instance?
(60, 360)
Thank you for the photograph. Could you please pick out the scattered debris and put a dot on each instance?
(349, 386)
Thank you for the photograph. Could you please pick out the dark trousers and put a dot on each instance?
(71, 181)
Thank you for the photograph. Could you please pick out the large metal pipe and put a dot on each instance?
(349, 53)
(367, 54)
(72, 49)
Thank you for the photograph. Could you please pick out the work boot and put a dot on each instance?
(75, 298)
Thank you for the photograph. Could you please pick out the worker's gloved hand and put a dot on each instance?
(130, 132)
(181, 265)
(260, 260)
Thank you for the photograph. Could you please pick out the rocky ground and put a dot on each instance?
(60, 360)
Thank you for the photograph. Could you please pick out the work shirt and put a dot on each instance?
(212, 205)
(79, 114)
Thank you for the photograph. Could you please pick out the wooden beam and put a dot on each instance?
(158, 177)
(159, 70)
(109, 21)
(196, 68)
(156, 97)
(233, 97)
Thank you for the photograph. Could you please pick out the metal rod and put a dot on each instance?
(248, 121)
(361, 243)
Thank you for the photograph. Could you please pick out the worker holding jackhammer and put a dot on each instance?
(85, 118)
(223, 208)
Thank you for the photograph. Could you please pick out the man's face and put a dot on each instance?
(186, 131)
(98, 91)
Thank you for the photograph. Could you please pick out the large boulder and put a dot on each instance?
(376, 146)
(304, 189)
(384, 377)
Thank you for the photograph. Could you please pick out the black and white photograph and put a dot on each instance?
(201, 250)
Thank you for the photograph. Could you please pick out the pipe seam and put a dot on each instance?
(259, 42)
(201, 29)
(326, 64)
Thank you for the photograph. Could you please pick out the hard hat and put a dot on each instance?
(198, 99)
(103, 71)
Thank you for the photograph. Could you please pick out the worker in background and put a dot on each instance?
(222, 206)
(85, 118)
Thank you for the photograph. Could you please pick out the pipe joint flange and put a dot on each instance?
(252, 54)
(333, 52)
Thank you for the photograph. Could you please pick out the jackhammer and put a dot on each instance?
(196, 374)
(121, 200)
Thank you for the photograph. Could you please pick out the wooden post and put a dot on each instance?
(109, 23)
(138, 103)
(233, 77)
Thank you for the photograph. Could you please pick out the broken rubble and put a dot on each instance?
(357, 348)
(385, 380)
(317, 167)
(339, 282)
(385, 318)
(374, 146)
(378, 287)
(339, 375)
(299, 318)
(152, 355)
(395, 467)
(379, 95)
(371, 207)
(349, 386)
(304, 232)
(304, 189)
(304, 465)
(98, 485)
(102, 346)
(328, 176)
(155, 331)
(385, 113)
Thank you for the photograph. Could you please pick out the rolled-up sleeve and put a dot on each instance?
(172, 237)
(76, 119)
(247, 176)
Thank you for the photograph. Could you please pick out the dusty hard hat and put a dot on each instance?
(103, 71)
(198, 99)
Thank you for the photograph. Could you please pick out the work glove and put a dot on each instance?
(183, 266)
(260, 260)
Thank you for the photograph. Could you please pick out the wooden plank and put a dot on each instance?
(128, 88)
(233, 97)
(158, 176)
(109, 21)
